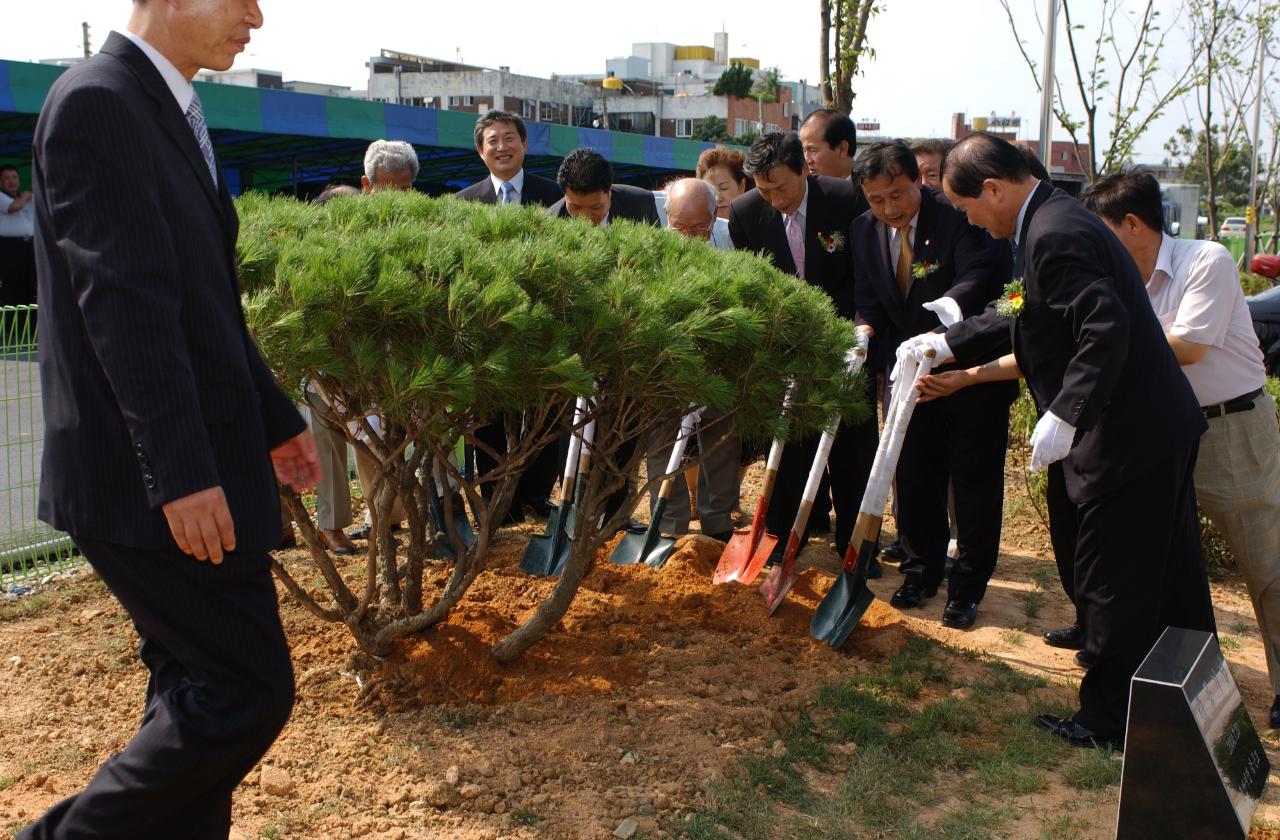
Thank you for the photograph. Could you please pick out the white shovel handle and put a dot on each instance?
(687, 426)
(575, 442)
(886, 461)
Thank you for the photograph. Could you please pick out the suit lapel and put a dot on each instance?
(171, 120)
(1038, 197)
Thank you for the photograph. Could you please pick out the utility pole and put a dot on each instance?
(1046, 84)
(84, 34)
(1251, 212)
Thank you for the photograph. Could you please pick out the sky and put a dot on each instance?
(933, 57)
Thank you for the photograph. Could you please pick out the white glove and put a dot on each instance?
(915, 347)
(862, 339)
(947, 310)
(1051, 441)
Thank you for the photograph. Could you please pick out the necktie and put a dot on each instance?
(507, 192)
(904, 261)
(195, 118)
(795, 240)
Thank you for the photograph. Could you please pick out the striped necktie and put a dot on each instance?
(195, 118)
(507, 191)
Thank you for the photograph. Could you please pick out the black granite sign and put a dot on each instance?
(1194, 766)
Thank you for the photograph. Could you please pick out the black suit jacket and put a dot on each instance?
(152, 388)
(1090, 347)
(754, 225)
(966, 270)
(538, 191)
(625, 202)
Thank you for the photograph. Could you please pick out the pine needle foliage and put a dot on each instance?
(437, 315)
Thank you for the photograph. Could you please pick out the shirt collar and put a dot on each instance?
(178, 84)
(517, 184)
(1164, 260)
(803, 210)
(1017, 231)
(893, 232)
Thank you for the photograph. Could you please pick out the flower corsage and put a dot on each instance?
(922, 270)
(831, 242)
(1012, 300)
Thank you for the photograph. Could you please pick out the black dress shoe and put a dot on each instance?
(1084, 659)
(1065, 637)
(874, 570)
(959, 614)
(1077, 735)
(893, 551)
(541, 507)
(362, 533)
(1275, 713)
(912, 594)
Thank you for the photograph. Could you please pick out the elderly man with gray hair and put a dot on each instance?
(691, 212)
(389, 165)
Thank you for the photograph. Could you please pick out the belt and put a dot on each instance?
(1240, 403)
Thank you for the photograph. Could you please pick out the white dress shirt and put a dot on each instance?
(178, 84)
(1195, 291)
(517, 186)
(20, 225)
(893, 237)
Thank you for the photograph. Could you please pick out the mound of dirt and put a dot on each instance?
(621, 614)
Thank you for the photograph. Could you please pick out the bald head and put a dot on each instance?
(691, 207)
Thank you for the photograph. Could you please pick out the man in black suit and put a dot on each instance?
(830, 142)
(1114, 408)
(801, 223)
(589, 192)
(502, 142)
(163, 423)
(917, 260)
(586, 178)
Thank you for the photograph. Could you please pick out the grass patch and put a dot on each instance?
(927, 717)
(1228, 642)
(1096, 770)
(525, 816)
(271, 831)
(9, 781)
(25, 607)
(1032, 602)
(1013, 638)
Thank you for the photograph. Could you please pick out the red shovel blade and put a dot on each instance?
(742, 547)
(782, 576)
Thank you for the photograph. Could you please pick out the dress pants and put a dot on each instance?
(535, 483)
(1139, 569)
(220, 691)
(333, 490)
(845, 479)
(1062, 530)
(718, 483)
(17, 271)
(959, 440)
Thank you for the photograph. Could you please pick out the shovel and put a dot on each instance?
(650, 547)
(747, 550)
(461, 523)
(783, 575)
(846, 603)
(542, 554)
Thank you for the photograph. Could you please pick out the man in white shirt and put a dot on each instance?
(1195, 291)
(691, 211)
(17, 226)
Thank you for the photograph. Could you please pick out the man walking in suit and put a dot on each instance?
(1114, 409)
(502, 142)
(163, 423)
(801, 223)
(916, 260)
(586, 179)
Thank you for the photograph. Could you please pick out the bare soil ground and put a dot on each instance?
(654, 686)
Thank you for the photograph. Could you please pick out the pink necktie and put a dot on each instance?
(795, 239)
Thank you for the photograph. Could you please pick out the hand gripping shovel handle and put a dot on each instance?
(886, 460)
(687, 425)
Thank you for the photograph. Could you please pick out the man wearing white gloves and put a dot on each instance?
(918, 263)
(1115, 409)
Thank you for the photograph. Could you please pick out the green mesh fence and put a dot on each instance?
(29, 549)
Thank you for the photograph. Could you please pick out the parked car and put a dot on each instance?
(1232, 226)
(1264, 309)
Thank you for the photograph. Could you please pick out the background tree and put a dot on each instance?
(843, 46)
(711, 130)
(1231, 181)
(736, 80)
(1116, 70)
(765, 90)
(434, 315)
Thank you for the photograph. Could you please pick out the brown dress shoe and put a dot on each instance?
(337, 542)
